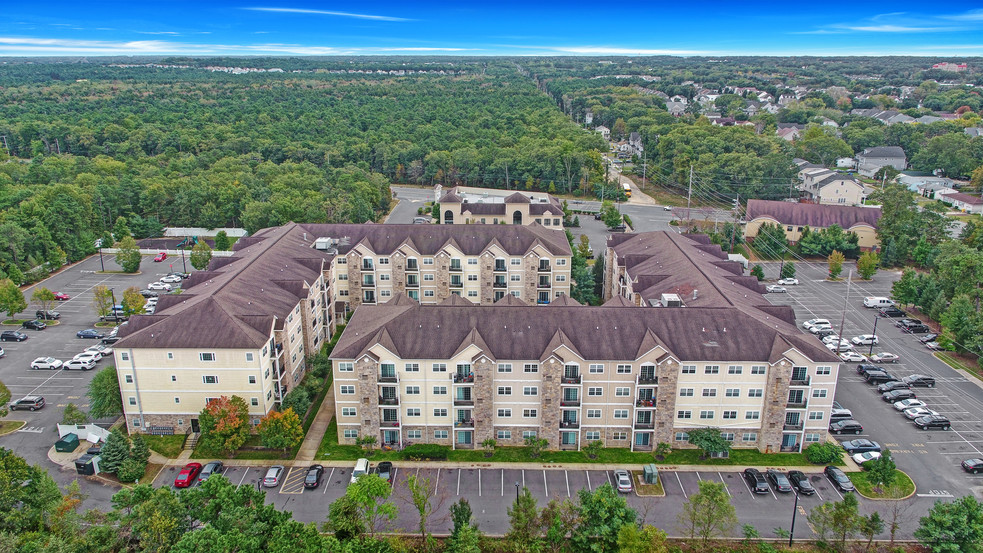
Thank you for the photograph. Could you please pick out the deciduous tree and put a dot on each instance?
(708, 513)
(835, 261)
(43, 298)
(105, 399)
(281, 430)
(11, 298)
(222, 242)
(201, 254)
(74, 415)
(133, 302)
(867, 264)
(953, 527)
(224, 423)
(710, 440)
(602, 514)
(370, 493)
(523, 535)
(128, 255)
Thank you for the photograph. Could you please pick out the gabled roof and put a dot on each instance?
(517, 198)
(965, 198)
(813, 215)
(883, 151)
(563, 300)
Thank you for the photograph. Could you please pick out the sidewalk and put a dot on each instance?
(308, 449)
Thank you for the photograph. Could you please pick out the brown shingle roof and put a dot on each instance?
(966, 198)
(813, 215)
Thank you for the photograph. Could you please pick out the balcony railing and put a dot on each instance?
(412, 284)
(569, 424)
(368, 284)
(641, 447)
(463, 401)
(570, 379)
(570, 402)
(464, 424)
(389, 424)
(544, 268)
(790, 448)
(388, 400)
(645, 425)
(463, 378)
(500, 285)
(796, 426)
(647, 380)
(800, 381)
(500, 268)
(645, 402)
(388, 379)
(457, 284)
(455, 268)
(796, 404)
(544, 285)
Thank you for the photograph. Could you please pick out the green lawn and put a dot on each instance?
(168, 446)
(902, 486)
(6, 427)
(648, 489)
(751, 457)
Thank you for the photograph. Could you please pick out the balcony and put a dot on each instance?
(368, 284)
(463, 402)
(796, 426)
(367, 267)
(790, 448)
(457, 284)
(647, 380)
(543, 284)
(411, 265)
(387, 378)
(502, 284)
(500, 268)
(463, 378)
(570, 379)
(570, 402)
(796, 404)
(800, 381)
(455, 268)
(388, 400)
(464, 424)
(389, 424)
(544, 267)
(650, 425)
(645, 402)
(412, 284)
(569, 424)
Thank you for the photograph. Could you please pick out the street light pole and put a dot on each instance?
(115, 313)
(101, 264)
(795, 510)
(517, 492)
(871, 352)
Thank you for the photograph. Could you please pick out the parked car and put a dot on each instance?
(877, 302)
(61, 296)
(884, 357)
(846, 427)
(801, 482)
(865, 340)
(12, 336)
(34, 325)
(30, 403)
(840, 415)
(824, 332)
(779, 481)
(916, 412)
(88, 356)
(891, 386)
(79, 364)
(756, 481)
(159, 286)
(934, 346)
(171, 279)
(101, 349)
(973, 466)
(878, 377)
(817, 328)
(839, 479)
(788, 281)
(385, 471)
(812, 322)
(891, 312)
(623, 479)
(2, 353)
(272, 478)
(182, 275)
(908, 404)
(930, 337)
(49, 363)
(775, 288)
(110, 340)
(148, 293)
(361, 469)
(214, 467)
(47, 315)
(160, 257)
(918, 328)
(852, 357)
(906, 321)
(864, 368)
(933, 421)
(919, 380)
(187, 476)
(898, 395)
(842, 346)
(833, 338)
(313, 477)
(861, 458)
(90, 333)
(860, 445)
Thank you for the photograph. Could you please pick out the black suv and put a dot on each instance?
(12, 336)
(879, 377)
(863, 368)
(801, 482)
(31, 403)
(34, 325)
(756, 481)
(839, 427)
(891, 312)
(933, 421)
(905, 322)
(898, 395)
(839, 479)
(919, 380)
(917, 328)
(893, 385)
(47, 315)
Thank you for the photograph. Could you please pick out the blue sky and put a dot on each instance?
(270, 27)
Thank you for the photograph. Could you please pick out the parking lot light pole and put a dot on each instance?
(115, 313)
(795, 509)
(516, 493)
(874, 334)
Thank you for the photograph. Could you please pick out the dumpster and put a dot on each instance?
(68, 443)
(650, 474)
(87, 465)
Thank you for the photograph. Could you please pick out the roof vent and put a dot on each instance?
(711, 344)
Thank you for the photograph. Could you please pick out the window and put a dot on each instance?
(440, 412)
(528, 434)
(266, 374)
(735, 369)
(504, 435)
(706, 414)
(385, 293)
(596, 369)
(689, 369)
(729, 436)
(815, 415)
(252, 379)
(560, 262)
(428, 293)
(428, 278)
(749, 437)
(440, 434)
(821, 392)
(414, 412)
(133, 400)
(732, 392)
(209, 379)
(515, 261)
(125, 356)
(752, 415)
(530, 391)
(348, 390)
(472, 261)
(440, 367)
(593, 413)
(682, 437)
(709, 392)
(348, 412)
(529, 413)
(621, 413)
(686, 392)
(383, 261)
(412, 390)
(269, 395)
(440, 390)
(561, 278)
(472, 278)
(428, 261)
(624, 369)
(530, 368)
(342, 276)
(414, 434)
(343, 293)
(758, 369)
(129, 379)
(515, 278)
(254, 401)
(505, 390)
(504, 412)
(516, 294)
(206, 356)
(622, 392)
(353, 433)
(711, 369)
(812, 437)
(755, 392)
(592, 435)
(824, 370)
(177, 400)
(342, 261)
(412, 367)
(730, 414)
(594, 392)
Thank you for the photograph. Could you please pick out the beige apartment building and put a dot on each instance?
(794, 218)
(466, 205)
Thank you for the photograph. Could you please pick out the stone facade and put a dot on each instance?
(367, 393)
(484, 408)
(773, 415)
(549, 412)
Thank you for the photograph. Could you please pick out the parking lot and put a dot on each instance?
(932, 458)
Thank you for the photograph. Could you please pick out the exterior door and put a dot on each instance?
(464, 437)
(390, 437)
(195, 427)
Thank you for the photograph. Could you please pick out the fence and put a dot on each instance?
(89, 432)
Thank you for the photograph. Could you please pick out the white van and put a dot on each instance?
(361, 469)
(877, 302)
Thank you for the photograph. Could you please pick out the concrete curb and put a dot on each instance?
(909, 496)
(22, 425)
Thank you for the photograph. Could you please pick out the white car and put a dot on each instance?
(88, 356)
(884, 357)
(833, 338)
(861, 458)
(812, 322)
(908, 404)
(159, 286)
(817, 328)
(915, 412)
(80, 364)
(152, 301)
(102, 350)
(172, 279)
(775, 288)
(623, 480)
(852, 357)
(788, 281)
(865, 340)
(46, 363)
(844, 345)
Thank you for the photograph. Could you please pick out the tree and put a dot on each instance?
(344, 518)
(130, 470)
(224, 423)
(4, 400)
(610, 214)
(523, 535)
(905, 289)
(823, 453)
(43, 298)
(583, 248)
(955, 527)
(758, 272)
(835, 260)
(467, 540)
(121, 230)
(128, 255)
(647, 539)
(140, 451)
(105, 399)
(422, 494)
(370, 494)
(558, 520)
(74, 415)
(710, 440)
(788, 270)
(882, 471)
(133, 302)
(662, 450)
(597, 271)
(222, 242)
(102, 300)
(201, 254)
(116, 450)
(708, 513)
(961, 321)
(845, 519)
(870, 526)
(602, 514)
(460, 515)
(593, 448)
(281, 430)
(535, 446)
(770, 242)
(867, 264)
(297, 399)
(28, 495)
(11, 298)
(489, 446)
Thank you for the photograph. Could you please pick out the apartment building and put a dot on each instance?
(465, 205)
(794, 218)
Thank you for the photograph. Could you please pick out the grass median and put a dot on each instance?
(902, 486)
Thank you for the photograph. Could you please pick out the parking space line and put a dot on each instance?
(479, 482)
(392, 483)
(773, 493)
(523, 478)
(458, 481)
(546, 487)
(608, 473)
(436, 481)
(819, 494)
(566, 476)
(743, 481)
(726, 487)
(243, 479)
(503, 482)
(587, 472)
(681, 485)
(330, 476)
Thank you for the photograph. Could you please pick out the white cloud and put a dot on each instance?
(615, 51)
(326, 12)
(170, 33)
(971, 15)
(899, 29)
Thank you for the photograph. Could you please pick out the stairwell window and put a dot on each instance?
(254, 401)
(208, 379)
(206, 356)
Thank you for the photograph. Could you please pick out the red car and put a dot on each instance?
(160, 257)
(187, 475)
(61, 296)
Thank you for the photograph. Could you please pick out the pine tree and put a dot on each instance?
(140, 451)
(116, 450)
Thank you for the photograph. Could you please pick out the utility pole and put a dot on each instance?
(846, 298)
(689, 195)
(506, 175)
(737, 210)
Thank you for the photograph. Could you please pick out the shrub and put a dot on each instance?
(426, 452)
(627, 220)
(297, 399)
(822, 454)
(131, 470)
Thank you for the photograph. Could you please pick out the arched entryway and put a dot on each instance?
(517, 217)
(448, 217)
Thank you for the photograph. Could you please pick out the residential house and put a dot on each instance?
(635, 144)
(789, 133)
(676, 109)
(926, 119)
(949, 66)
(964, 202)
(926, 183)
(872, 159)
(973, 131)
(820, 185)
(605, 132)
(793, 218)
(588, 117)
